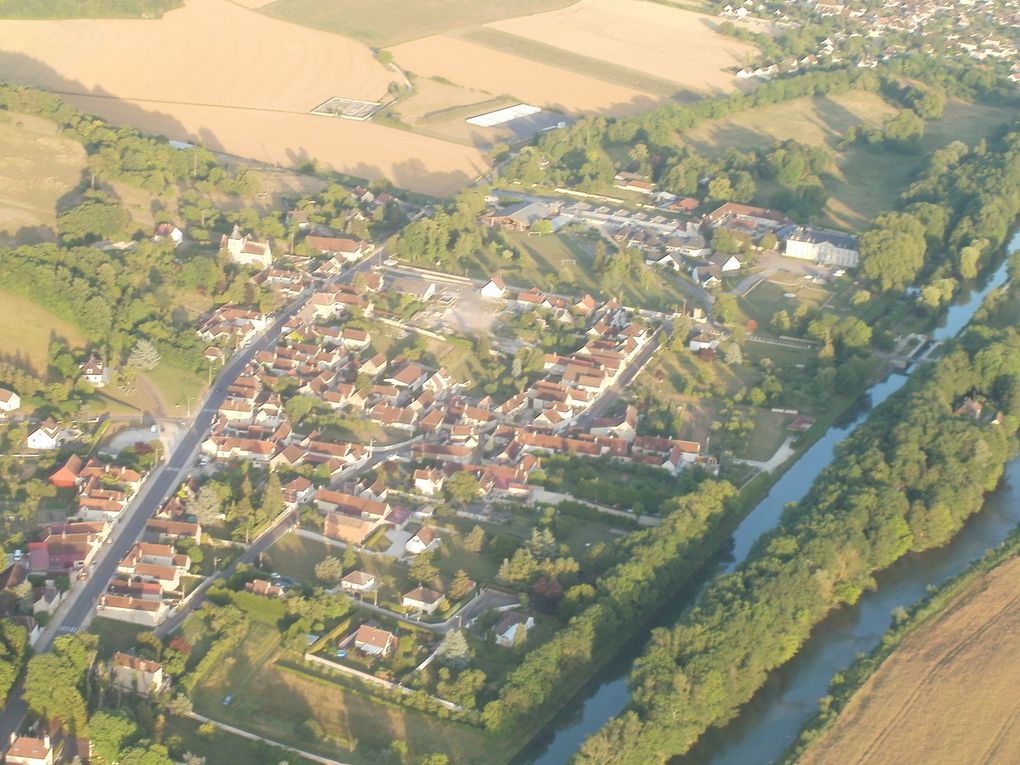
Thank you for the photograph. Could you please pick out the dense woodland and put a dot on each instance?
(905, 481)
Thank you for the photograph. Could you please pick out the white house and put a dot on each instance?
(168, 231)
(424, 539)
(25, 750)
(725, 262)
(136, 675)
(703, 341)
(423, 600)
(428, 482)
(9, 400)
(45, 437)
(508, 629)
(95, 372)
(823, 247)
(247, 250)
(359, 582)
(494, 289)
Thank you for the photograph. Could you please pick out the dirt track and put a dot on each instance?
(235, 79)
(947, 695)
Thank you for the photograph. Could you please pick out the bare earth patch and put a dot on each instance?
(667, 42)
(947, 695)
(237, 81)
(497, 73)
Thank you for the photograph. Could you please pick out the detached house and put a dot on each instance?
(424, 539)
(46, 437)
(25, 750)
(247, 250)
(512, 628)
(374, 641)
(422, 600)
(94, 372)
(9, 401)
(137, 675)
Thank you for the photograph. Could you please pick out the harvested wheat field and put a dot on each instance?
(947, 695)
(235, 80)
(480, 68)
(666, 42)
(39, 167)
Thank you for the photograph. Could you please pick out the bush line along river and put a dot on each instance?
(771, 721)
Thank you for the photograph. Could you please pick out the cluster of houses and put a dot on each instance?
(680, 242)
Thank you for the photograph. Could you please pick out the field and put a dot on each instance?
(277, 703)
(39, 168)
(946, 695)
(26, 331)
(666, 42)
(497, 73)
(387, 22)
(865, 180)
(251, 99)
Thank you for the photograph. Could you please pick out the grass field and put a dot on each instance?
(564, 264)
(221, 746)
(39, 168)
(388, 22)
(114, 635)
(27, 329)
(768, 435)
(946, 695)
(277, 703)
(865, 180)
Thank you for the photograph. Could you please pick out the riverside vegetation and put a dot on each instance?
(905, 481)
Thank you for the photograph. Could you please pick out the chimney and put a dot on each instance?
(14, 737)
(46, 741)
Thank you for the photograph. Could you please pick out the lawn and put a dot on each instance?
(222, 746)
(865, 180)
(28, 328)
(770, 296)
(296, 557)
(388, 22)
(115, 635)
(279, 702)
(768, 435)
(564, 264)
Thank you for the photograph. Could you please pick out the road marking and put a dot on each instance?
(66, 630)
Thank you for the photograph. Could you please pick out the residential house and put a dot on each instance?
(26, 750)
(755, 216)
(46, 437)
(66, 476)
(374, 641)
(419, 289)
(346, 528)
(149, 613)
(429, 482)
(166, 530)
(136, 675)
(9, 401)
(359, 582)
(424, 539)
(169, 231)
(494, 289)
(247, 250)
(513, 628)
(348, 249)
(422, 600)
(703, 341)
(264, 587)
(725, 262)
(95, 372)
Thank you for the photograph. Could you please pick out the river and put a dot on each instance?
(767, 725)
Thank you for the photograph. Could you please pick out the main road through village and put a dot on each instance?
(77, 608)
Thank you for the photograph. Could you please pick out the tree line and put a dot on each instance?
(904, 481)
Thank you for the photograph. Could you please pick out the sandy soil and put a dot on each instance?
(947, 696)
(38, 168)
(656, 39)
(481, 68)
(236, 80)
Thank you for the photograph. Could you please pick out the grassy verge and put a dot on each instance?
(114, 635)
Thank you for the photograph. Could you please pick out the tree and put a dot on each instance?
(454, 651)
(475, 540)
(904, 130)
(272, 497)
(421, 568)
(461, 585)
(110, 732)
(206, 505)
(542, 227)
(462, 487)
(144, 356)
(329, 570)
(893, 251)
(725, 308)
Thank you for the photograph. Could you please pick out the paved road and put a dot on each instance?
(76, 611)
(617, 388)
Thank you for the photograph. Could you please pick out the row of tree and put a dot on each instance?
(904, 481)
(648, 566)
